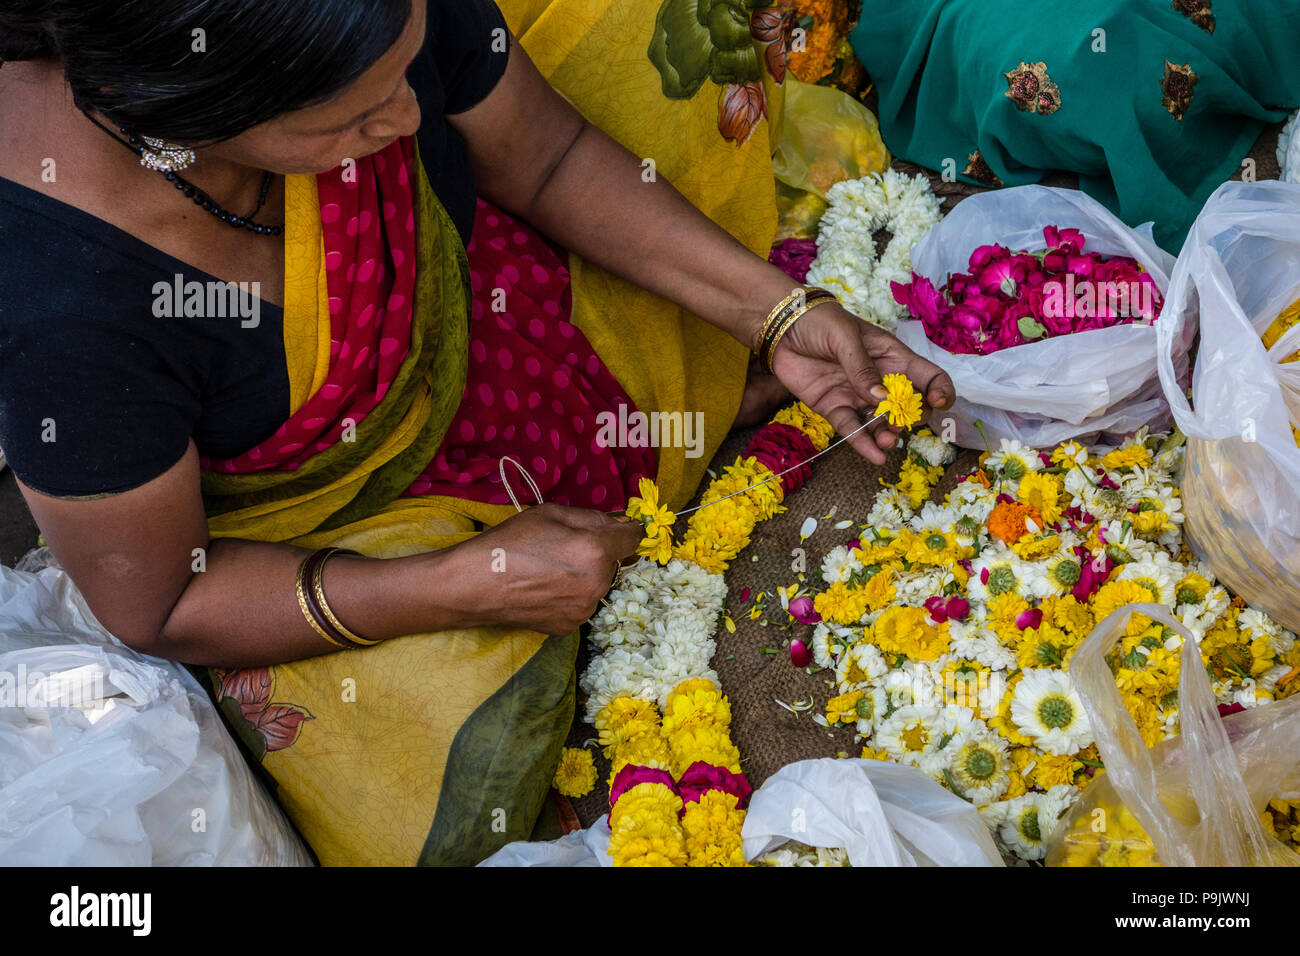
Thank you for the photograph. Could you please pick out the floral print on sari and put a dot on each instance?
(731, 43)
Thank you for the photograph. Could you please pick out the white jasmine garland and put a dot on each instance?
(847, 264)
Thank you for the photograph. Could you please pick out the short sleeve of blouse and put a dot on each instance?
(469, 44)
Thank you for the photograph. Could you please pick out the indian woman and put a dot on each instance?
(294, 296)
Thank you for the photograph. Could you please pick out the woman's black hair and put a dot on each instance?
(202, 71)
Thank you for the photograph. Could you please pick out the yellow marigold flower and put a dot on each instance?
(1042, 492)
(695, 703)
(1067, 454)
(1003, 609)
(1016, 786)
(1131, 456)
(642, 752)
(1192, 589)
(841, 604)
(871, 753)
(712, 826)
(1050, 770)
(1150, 521)
(1031, 548)
(701, 552)
(710, 744)
(625, 719)
(914, 482)
(902, 405)
(1147, 717)
(1066, 613)
(880, 590)
(1001, 721)
(936, 549)
(910, 632)
(1119, 593)
(844, 708)
(818, 429)
(657, 547)
(576, 774)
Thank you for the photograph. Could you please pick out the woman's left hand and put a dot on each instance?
(834, 363)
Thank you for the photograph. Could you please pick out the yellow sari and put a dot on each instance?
(439, 748)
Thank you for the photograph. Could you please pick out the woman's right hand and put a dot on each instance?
(545, 569)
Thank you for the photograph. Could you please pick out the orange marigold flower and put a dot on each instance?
(1007, 521)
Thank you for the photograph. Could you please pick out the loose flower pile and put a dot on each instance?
(1011, 298)
(950, 627)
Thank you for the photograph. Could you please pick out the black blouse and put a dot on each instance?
(97, 395)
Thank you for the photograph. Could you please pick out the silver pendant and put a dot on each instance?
(165, 157)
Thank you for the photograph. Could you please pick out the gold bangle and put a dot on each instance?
(799, 297)
(767, 356)
(318, 588)
(306, 608)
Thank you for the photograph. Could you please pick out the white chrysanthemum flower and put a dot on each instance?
(979, 766)
(933, 517)
(871, 711)
(891, 509)
(1161, 577)
(973, 500)
(1029, 822)
(827, 644)
(1047, 709)
(1013, 459)
(908, 733)
(1204, 614)
(617, 673)
(1259, 624)
(911, 685)
(914, 587)
(859, 665)
(933, 450)
(972, 641)
(997, 570)
(839, 564)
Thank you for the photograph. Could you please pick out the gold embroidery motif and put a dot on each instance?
(1177, 84)
(1198, 11)
(978, 170)
(1032, 90)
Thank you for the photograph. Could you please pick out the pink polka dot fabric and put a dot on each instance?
(368, 221)
(535, 386)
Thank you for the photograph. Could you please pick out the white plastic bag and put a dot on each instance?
(1094, 386)
(111, 758)
(1198, 797)
(883, 814)
(1239, 269)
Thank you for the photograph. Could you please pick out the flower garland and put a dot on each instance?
(847, 263)
(655, 644)
(950, 627)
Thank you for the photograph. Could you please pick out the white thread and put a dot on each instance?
(532, 485)
(538, 494)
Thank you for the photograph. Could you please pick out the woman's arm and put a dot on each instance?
(535, 155)
(133, 557)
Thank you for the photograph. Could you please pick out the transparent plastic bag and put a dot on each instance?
(826, 137)
(1094, 386)
(1238, 270)
(1194, 800)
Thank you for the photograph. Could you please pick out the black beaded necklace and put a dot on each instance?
(199, 197)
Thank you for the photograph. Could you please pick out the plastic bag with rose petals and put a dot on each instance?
(1194, 800)
(1095, 386)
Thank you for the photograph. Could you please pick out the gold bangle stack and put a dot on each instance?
(782, 318)
(316, 610)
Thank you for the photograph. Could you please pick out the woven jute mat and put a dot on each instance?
(754, 662)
